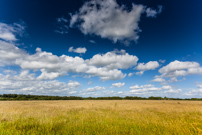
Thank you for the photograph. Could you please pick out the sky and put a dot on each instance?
(101, 48)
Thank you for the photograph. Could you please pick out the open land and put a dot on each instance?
(101, 117)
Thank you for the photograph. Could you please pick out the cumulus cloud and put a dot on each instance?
(114, 60)
(139, 73)
(120, 92)
(96, 88)
(26, 83)
(158, 80)
(64, 64)
(130, 74)
(178, 65)
(9, 53)
(49, 75)
(7, 71)
(78, 50)
(199, 86)
(8, 32)
(173, 79)
(171, 91)
(195, 92)
(151, 65)
(107, 19)
(148, 88)
(179, 68)
(53, 66)
(73, 84)
(118, 84)
(106, 74)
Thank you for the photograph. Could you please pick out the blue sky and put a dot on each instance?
(101, 48)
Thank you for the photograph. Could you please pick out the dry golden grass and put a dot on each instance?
(101, 117)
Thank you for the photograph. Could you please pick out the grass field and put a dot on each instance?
(92, 117)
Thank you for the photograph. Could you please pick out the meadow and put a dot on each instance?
(101, 117)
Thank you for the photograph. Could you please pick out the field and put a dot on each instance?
(100, 117)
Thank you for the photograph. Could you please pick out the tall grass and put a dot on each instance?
(100, 117)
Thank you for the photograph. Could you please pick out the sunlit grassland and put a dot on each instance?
(92, 117)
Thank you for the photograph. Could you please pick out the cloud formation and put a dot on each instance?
(176, 69)
(96, 88)
(118, 84)
(114, 60)
(77, 50)
(130, 74)
(26, 83)
(158, 79)
(144, 89)
(53, 66)
(9, 53)
(151, 65)
(180, 69)
(107, 19)
(195, 92)
(8, 32)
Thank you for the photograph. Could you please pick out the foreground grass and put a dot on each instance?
(100, 117)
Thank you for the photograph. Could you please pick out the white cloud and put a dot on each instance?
(8, 32)
(166, 87)
(152, 13)
(135, 87)
(9, 53)
(173, 79)
(130, 74)
(151, 65)
(195, 92)
(50, 75)
(73, 84)
(158, 80)
(7, 71)
(53, 66)
(96, 88)
(171, 91)
(114, 60)
(120, 92)
(178, 68)
(107, 19)
(118, 84)
(26, 83)
(197, 70)
(199, 86)
(78, 50)
(139, 73)
(148, 88)
(178, 65)
(106, 74)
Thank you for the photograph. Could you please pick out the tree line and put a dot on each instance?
(44, 97)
